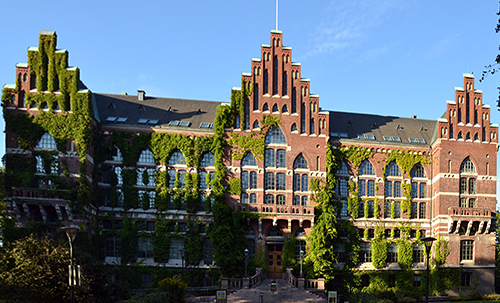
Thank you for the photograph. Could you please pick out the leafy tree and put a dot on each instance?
(36, 270)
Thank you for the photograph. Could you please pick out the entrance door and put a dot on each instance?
(274, 252)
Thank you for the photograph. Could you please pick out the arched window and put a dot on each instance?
(300, 163)
(177, 158)
(284, 109)
(275, 108)
(312, 126)
(294, 127)
(207, 160)
(285, 84)
(266, 81)
(255, 97)
(303, 118)
(467, 166)
(294, 100)
(275, 136)
(47, 141)
(265, 108)
(247, 114)
(393, 170)
(366, 168)
(249, 159)
(146, 157)
(275, 232)
(343, 169)
(418, 171)
(255, 124)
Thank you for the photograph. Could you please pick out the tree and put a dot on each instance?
(495, 67)
(36, 270)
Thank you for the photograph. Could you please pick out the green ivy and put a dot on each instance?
(379, 248)
(234, 186)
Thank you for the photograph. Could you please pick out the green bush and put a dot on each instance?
(474, 296)
(175, 287)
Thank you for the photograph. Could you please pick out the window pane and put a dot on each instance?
(177, 158)
(300, 163)
(397, 189)
(393, 170)
(253, 179)
(305, 182)
(249, 159)
(280, 181)
(269, 181)
(280, 158)
(296, 182)
(275, 136)
(371, 188)
(244, 180)
(388, 188)
(269, 158)
(208, 160)
(362, 188)
(366, 168)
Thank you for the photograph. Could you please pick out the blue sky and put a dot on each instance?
(388, 57)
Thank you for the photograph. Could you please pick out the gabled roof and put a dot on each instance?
(384, 129)
(154, 112)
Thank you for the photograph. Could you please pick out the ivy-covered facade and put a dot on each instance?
(165, 181)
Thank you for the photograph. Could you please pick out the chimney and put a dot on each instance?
(141, 95)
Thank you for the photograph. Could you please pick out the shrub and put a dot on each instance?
(408, 300)
(175, 287)
(474, 296)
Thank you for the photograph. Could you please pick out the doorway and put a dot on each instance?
(274, 262)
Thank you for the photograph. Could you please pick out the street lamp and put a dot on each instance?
(301, 257)
(428, 245)
(246, 262)
(71, 232)
(183, 255)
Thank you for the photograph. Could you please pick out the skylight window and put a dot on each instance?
(185, 123)
(416, 140)
(142, 121)
(153, 121)
(174, 123)
(367, 137)
(343, 135)
(206, 125)
(121, 119)
(389, 138)
(111, 119)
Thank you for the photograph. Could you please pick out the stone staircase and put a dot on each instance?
(285, 293)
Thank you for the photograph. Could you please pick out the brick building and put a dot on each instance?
(73, 155)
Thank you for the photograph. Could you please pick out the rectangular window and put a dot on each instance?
(422, 193)
(144, 248)
(175, 248)
(414, 207)
(414, 190)
(463, 185)
(387, 209)
(466, 279)
(417, 281)
(171, 178)
(343, 188)
(343, 212)
(371, 188)
(305, 182)
(244, 180)
(269, 199)
(112, 246)
(280, 200)
(269, 160)
(361, 211)
(296, 182)
(296, 200)
(253, 199)
(472, 203)
(418, 253)
(388, 188)
(253, 180)
(269, 181)
(365, 252)
(280, 158)
(397, 209)
(203, 179)
(362, 188)
(472, 186)
(182, 177)
(423, 210)
(466, 250)
(463, 202)
(244, 198)
(371, 206)
(392, 253)
(397, 189)
(280, 181)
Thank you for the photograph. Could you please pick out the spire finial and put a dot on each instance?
(276, 14)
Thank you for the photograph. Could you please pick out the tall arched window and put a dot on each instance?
(255, 97)
(177, 158)
(47, 141)
(393, 170)
(208, 159)
(294, 100)
(275, 75)
(275, 136)
(300, 163)
(146, 157)
(303, 118)
(285, 84)
(266, 82)
(366, 168)
(468, 181)
(249, 159)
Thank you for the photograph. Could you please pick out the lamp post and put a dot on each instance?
(428, 245)
(71, 232)
(246, 262)
(183, 255)
(301, 257)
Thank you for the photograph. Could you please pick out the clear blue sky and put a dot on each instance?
(388, 57)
